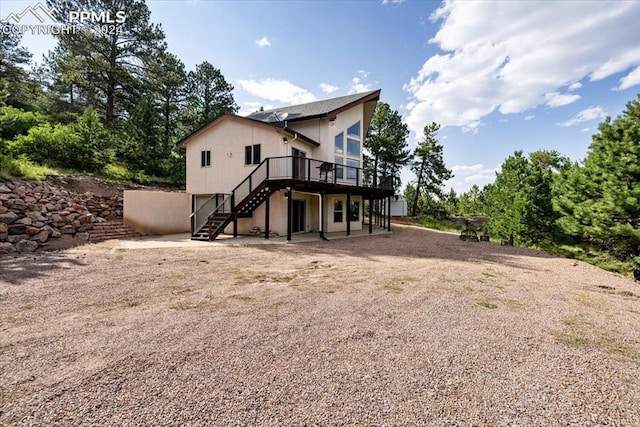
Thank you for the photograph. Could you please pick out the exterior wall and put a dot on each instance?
(324, 131)
(278, 215)
(157, 212)
(332, 226)
(227, 141)
(399, 207)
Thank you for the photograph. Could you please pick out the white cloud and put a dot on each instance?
(359, 84)
(557, 99)
(631, 79)
(465, 169)
(590, 113)
(507, 56)
(585, 129)
(464, 176)
(327, 88)
(277, 90)
(529, 117)
(393, 1)
(575, 86)
(253, 106)
(263, 42)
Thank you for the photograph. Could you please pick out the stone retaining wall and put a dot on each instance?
(32, 214)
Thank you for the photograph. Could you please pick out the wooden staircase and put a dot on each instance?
(102, 231)
(218, 221)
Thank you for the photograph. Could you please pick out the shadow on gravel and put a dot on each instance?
(415, 242)
(16, 268)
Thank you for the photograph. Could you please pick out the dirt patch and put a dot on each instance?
(417, 328)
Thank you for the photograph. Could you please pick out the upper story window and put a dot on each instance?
(252, 154)
(354, 130)
(353, 153)
(340, 143)
(205, 158)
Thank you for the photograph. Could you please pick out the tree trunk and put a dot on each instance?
(414, 210)
(375, 171)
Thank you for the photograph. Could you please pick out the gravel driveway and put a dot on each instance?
(413, 328)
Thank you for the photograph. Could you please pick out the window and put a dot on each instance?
(205, 158)
(354, 130)
(353, 147)
(339, 143)
(337, 211)
(351, 154)
(339, 169)
(252, 154)
(352, 171)
(354, 211)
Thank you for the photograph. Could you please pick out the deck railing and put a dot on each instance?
(286, 167)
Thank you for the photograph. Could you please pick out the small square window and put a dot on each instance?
(205, 158)
(252, 154)
(337, 211)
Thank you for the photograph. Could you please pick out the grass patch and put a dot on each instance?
(487, 304)
(393, 288)
(584, 334)
(515, 305)
(439, 224)
(22, 167)
(189, 305)
(590, 254)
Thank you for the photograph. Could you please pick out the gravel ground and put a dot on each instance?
(413, 328)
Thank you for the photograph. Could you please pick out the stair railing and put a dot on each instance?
(200, 217)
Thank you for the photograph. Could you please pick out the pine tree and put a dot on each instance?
(108, 66)
(600, 201)
(429, 166)
(208, 96)
(387, 145)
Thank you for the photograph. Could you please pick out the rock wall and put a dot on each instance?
(33, 214)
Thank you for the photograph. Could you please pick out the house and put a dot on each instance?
(292, 170)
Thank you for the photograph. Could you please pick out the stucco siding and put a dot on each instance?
(157, 212)
(227, 141)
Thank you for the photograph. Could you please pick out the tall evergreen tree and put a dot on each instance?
(429, 166)
(17, 87)
(600, 201)
(110, 64)
(208, 96)
(387, 145)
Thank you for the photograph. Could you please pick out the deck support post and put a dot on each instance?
(289, 209)
(348, 207)
(235, 226)
(266, 214)
(322, 216)
(370, 215)
(389, 214)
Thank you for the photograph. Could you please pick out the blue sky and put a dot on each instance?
(498, 76)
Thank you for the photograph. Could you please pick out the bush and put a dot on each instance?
(84, 145)
(22, 167)
(14, 122)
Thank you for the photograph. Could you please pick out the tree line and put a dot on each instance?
(105, 101)
(588, 209)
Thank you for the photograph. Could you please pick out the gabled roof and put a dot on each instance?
(328, 108)
(278, 127)
(278, 118)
